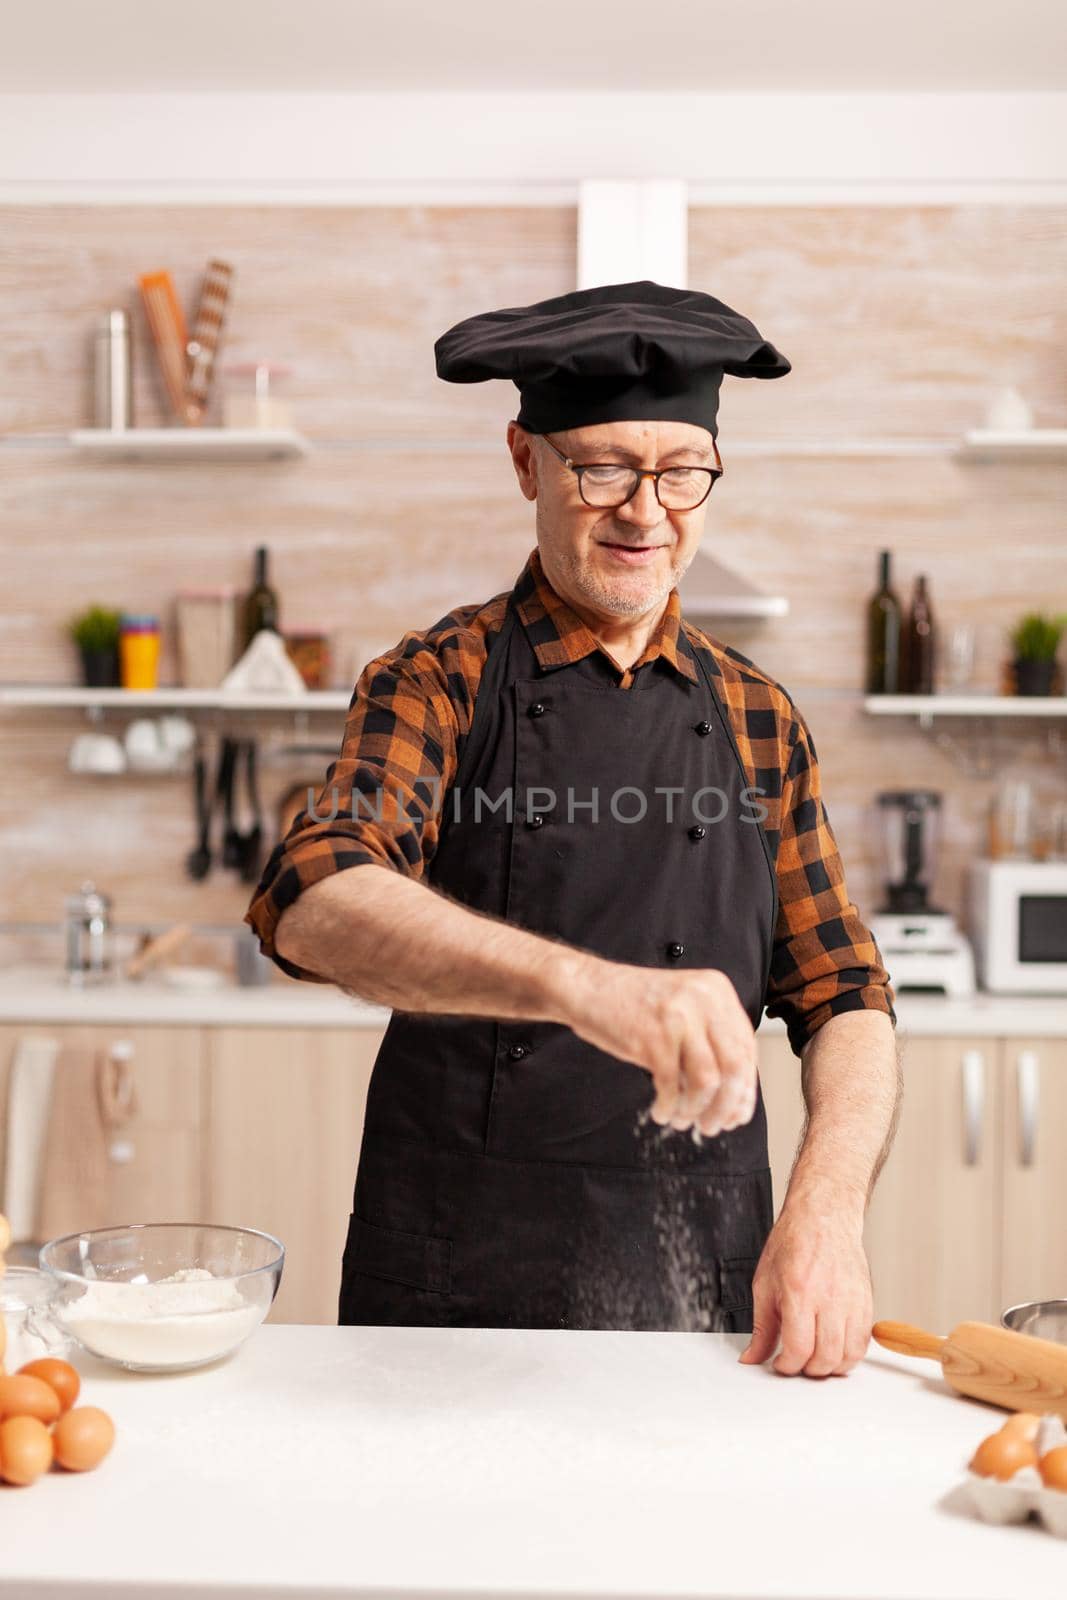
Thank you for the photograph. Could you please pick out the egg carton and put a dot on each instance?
(1023, 1495)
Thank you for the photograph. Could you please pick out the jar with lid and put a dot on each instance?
(88, 929)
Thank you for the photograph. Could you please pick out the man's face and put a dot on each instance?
(625, 561)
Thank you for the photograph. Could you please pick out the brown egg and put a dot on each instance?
(83, 1438)
(25, 1449)
(1024, 1424)
(28, 1397)
(59, 1375)
(1053, 1468)
(1002, 1455)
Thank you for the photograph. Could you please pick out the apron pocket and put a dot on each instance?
(735, 1282)
(416, 1259)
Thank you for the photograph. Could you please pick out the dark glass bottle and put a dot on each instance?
(883, 635)
(919, 643)
(260, 607)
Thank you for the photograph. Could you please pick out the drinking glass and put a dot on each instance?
(958, 658)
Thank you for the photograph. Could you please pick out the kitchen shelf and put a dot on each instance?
(255, 444)
(928, 706)
(975, 743)
(1026, 444)
(189, 444)
(62, 696)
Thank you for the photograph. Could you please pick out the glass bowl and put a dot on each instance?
(26, 1296)
(162, 1296)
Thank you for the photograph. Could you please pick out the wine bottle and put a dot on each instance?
(883, 634)
(920, 641)
(260, 607)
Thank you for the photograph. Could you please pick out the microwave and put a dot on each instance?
(1018, 917)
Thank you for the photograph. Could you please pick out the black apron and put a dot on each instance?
(508, 1173)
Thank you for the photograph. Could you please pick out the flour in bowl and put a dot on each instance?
(181, 1320)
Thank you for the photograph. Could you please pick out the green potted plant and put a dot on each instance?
(95, 631)
(1035, 641)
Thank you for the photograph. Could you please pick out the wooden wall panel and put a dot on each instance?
(899, 321)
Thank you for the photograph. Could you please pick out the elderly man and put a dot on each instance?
(592, 852)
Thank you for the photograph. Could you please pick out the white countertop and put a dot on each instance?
(35, 994)
(493, 1462)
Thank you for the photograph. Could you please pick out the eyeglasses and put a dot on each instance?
(607, 486)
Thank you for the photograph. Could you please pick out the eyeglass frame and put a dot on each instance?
(578, 468)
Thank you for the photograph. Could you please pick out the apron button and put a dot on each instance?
(702, 728)
(538, 709)
(536, 821)
(676, 951)
(696, 831)
(517, 1051)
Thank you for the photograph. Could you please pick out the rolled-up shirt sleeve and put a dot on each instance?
(825, 959)
(382, 799)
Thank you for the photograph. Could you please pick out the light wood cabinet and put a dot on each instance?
(283, 1131)
(967, 1215)
(779, 1071)
(931, 1233)
(262, 1126)
(141, 1162)
(932, 1230)
(1034, 1084)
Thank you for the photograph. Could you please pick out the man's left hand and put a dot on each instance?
(812, 1290)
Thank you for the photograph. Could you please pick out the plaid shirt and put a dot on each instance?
(411, 712)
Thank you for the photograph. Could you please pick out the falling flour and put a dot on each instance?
(189, 1317)
(690, 1279)
(668, 1277)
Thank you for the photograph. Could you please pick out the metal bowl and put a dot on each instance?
(1044, 1319)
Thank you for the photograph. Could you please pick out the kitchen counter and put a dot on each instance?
(498, 1462)
(37, 994)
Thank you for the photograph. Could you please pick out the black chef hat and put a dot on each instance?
(623, 352)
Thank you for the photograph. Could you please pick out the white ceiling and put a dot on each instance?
(301, 45)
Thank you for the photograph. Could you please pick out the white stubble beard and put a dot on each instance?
(632, 600)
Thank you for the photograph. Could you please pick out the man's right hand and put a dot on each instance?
(688, 1030)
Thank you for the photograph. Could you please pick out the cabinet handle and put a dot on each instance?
(116, 1092)
(1027, 1082)
(973, 1105)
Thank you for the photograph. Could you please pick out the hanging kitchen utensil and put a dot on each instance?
(252, 841)
(231, 838)
(1011, 1370)
(198, 861)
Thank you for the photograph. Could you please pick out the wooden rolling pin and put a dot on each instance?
(1011, 1370)
(157, 949)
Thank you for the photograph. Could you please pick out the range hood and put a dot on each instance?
(711, 590)
(629, 230)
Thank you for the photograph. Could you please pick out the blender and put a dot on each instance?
(921, 945)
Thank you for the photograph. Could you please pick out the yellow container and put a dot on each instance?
(139, 651)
